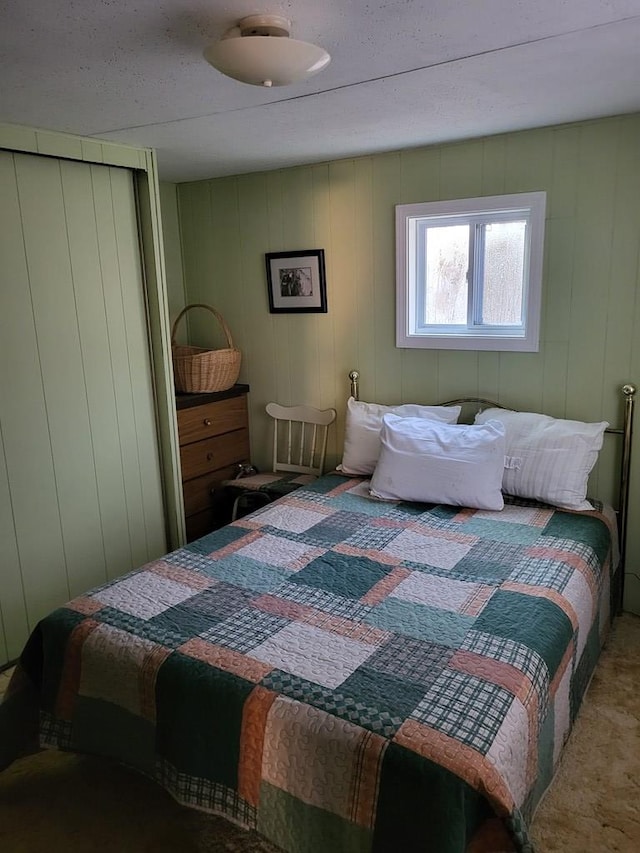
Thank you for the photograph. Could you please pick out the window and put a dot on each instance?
(469, 273)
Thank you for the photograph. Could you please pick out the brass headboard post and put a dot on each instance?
(625, 469)
(354, 376)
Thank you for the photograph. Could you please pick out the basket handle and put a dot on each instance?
(218, 317)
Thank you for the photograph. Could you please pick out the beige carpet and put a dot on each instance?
(56, 802)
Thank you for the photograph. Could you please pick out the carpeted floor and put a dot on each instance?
(67, 804)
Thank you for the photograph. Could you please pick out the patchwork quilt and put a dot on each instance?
(337, 672)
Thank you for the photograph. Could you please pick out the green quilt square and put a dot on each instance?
(388, 694)
(215, 541)
(580, 528)
(43, 658)
(535, 622)
(422, 806)
(199, 718)
(339, 574)
(295, 825)
(103, 728)
(421, 621)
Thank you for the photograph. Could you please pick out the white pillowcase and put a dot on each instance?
(434, 462)
(548, 459)
(362, 432)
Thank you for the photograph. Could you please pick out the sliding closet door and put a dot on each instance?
(80, 487)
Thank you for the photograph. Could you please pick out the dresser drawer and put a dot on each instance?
(212, 419)
(199, 493)
(214, 453)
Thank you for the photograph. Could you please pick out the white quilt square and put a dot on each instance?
(144, 594)
(529, 515)
(578, 594)
(276, 551)
(291, 518)
(445, 593)
(311, 653)
(429, 550)
(507, 748)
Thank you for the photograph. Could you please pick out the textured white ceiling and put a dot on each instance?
(403, 73)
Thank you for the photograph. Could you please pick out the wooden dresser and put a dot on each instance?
(214, 440)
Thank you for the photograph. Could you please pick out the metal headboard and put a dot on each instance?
(626, 431)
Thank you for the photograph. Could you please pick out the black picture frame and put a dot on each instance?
(296, 282)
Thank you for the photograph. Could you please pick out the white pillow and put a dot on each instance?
(432, 462)
(362, 432)
(548, 459)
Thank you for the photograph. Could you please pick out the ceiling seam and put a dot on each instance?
(382, 78)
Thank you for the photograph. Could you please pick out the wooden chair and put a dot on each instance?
(299, 448)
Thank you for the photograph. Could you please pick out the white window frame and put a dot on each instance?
(409, 332)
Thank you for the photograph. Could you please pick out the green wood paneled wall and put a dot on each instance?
(80, 488)
(590, 340)
(172, 251)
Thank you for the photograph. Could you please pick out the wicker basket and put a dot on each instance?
(196, 369)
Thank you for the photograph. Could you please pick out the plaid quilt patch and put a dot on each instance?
(339, 672)
(465, 707)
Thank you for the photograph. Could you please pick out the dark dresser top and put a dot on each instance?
(187, 401)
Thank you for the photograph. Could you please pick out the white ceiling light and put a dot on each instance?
(258, 50)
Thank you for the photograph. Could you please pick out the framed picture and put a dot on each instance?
(296, 282)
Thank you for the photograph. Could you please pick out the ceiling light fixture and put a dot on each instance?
(258, 50)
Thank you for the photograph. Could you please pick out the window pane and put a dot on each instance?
(503, 273)
(447, 262)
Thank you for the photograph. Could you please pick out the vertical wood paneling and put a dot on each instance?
(562, 199)
(559, 252)
(592, 253)
(28, 438)
(278, 242)
(16, 332)
(420, 174)
(591, 315)
(554, 379)
(489, 375)
(4, 654)
(383, 385)
(494, 153)
(364, 246)
(99, 380)
(13, 612)
(257, 323)
(625, 253)
(211, 290)
(221, 221)
(529, 161)
(118, 353)
(461, 170)
(152, 532)
(457, 373)
(172, 251)
(302, 329)
(80, 491)
(522, 380)
(460, 177)
(189, 232)
(329, 388)
(343, 265)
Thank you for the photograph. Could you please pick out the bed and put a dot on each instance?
(340, 672)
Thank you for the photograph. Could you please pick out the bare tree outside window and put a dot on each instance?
(447, 261)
